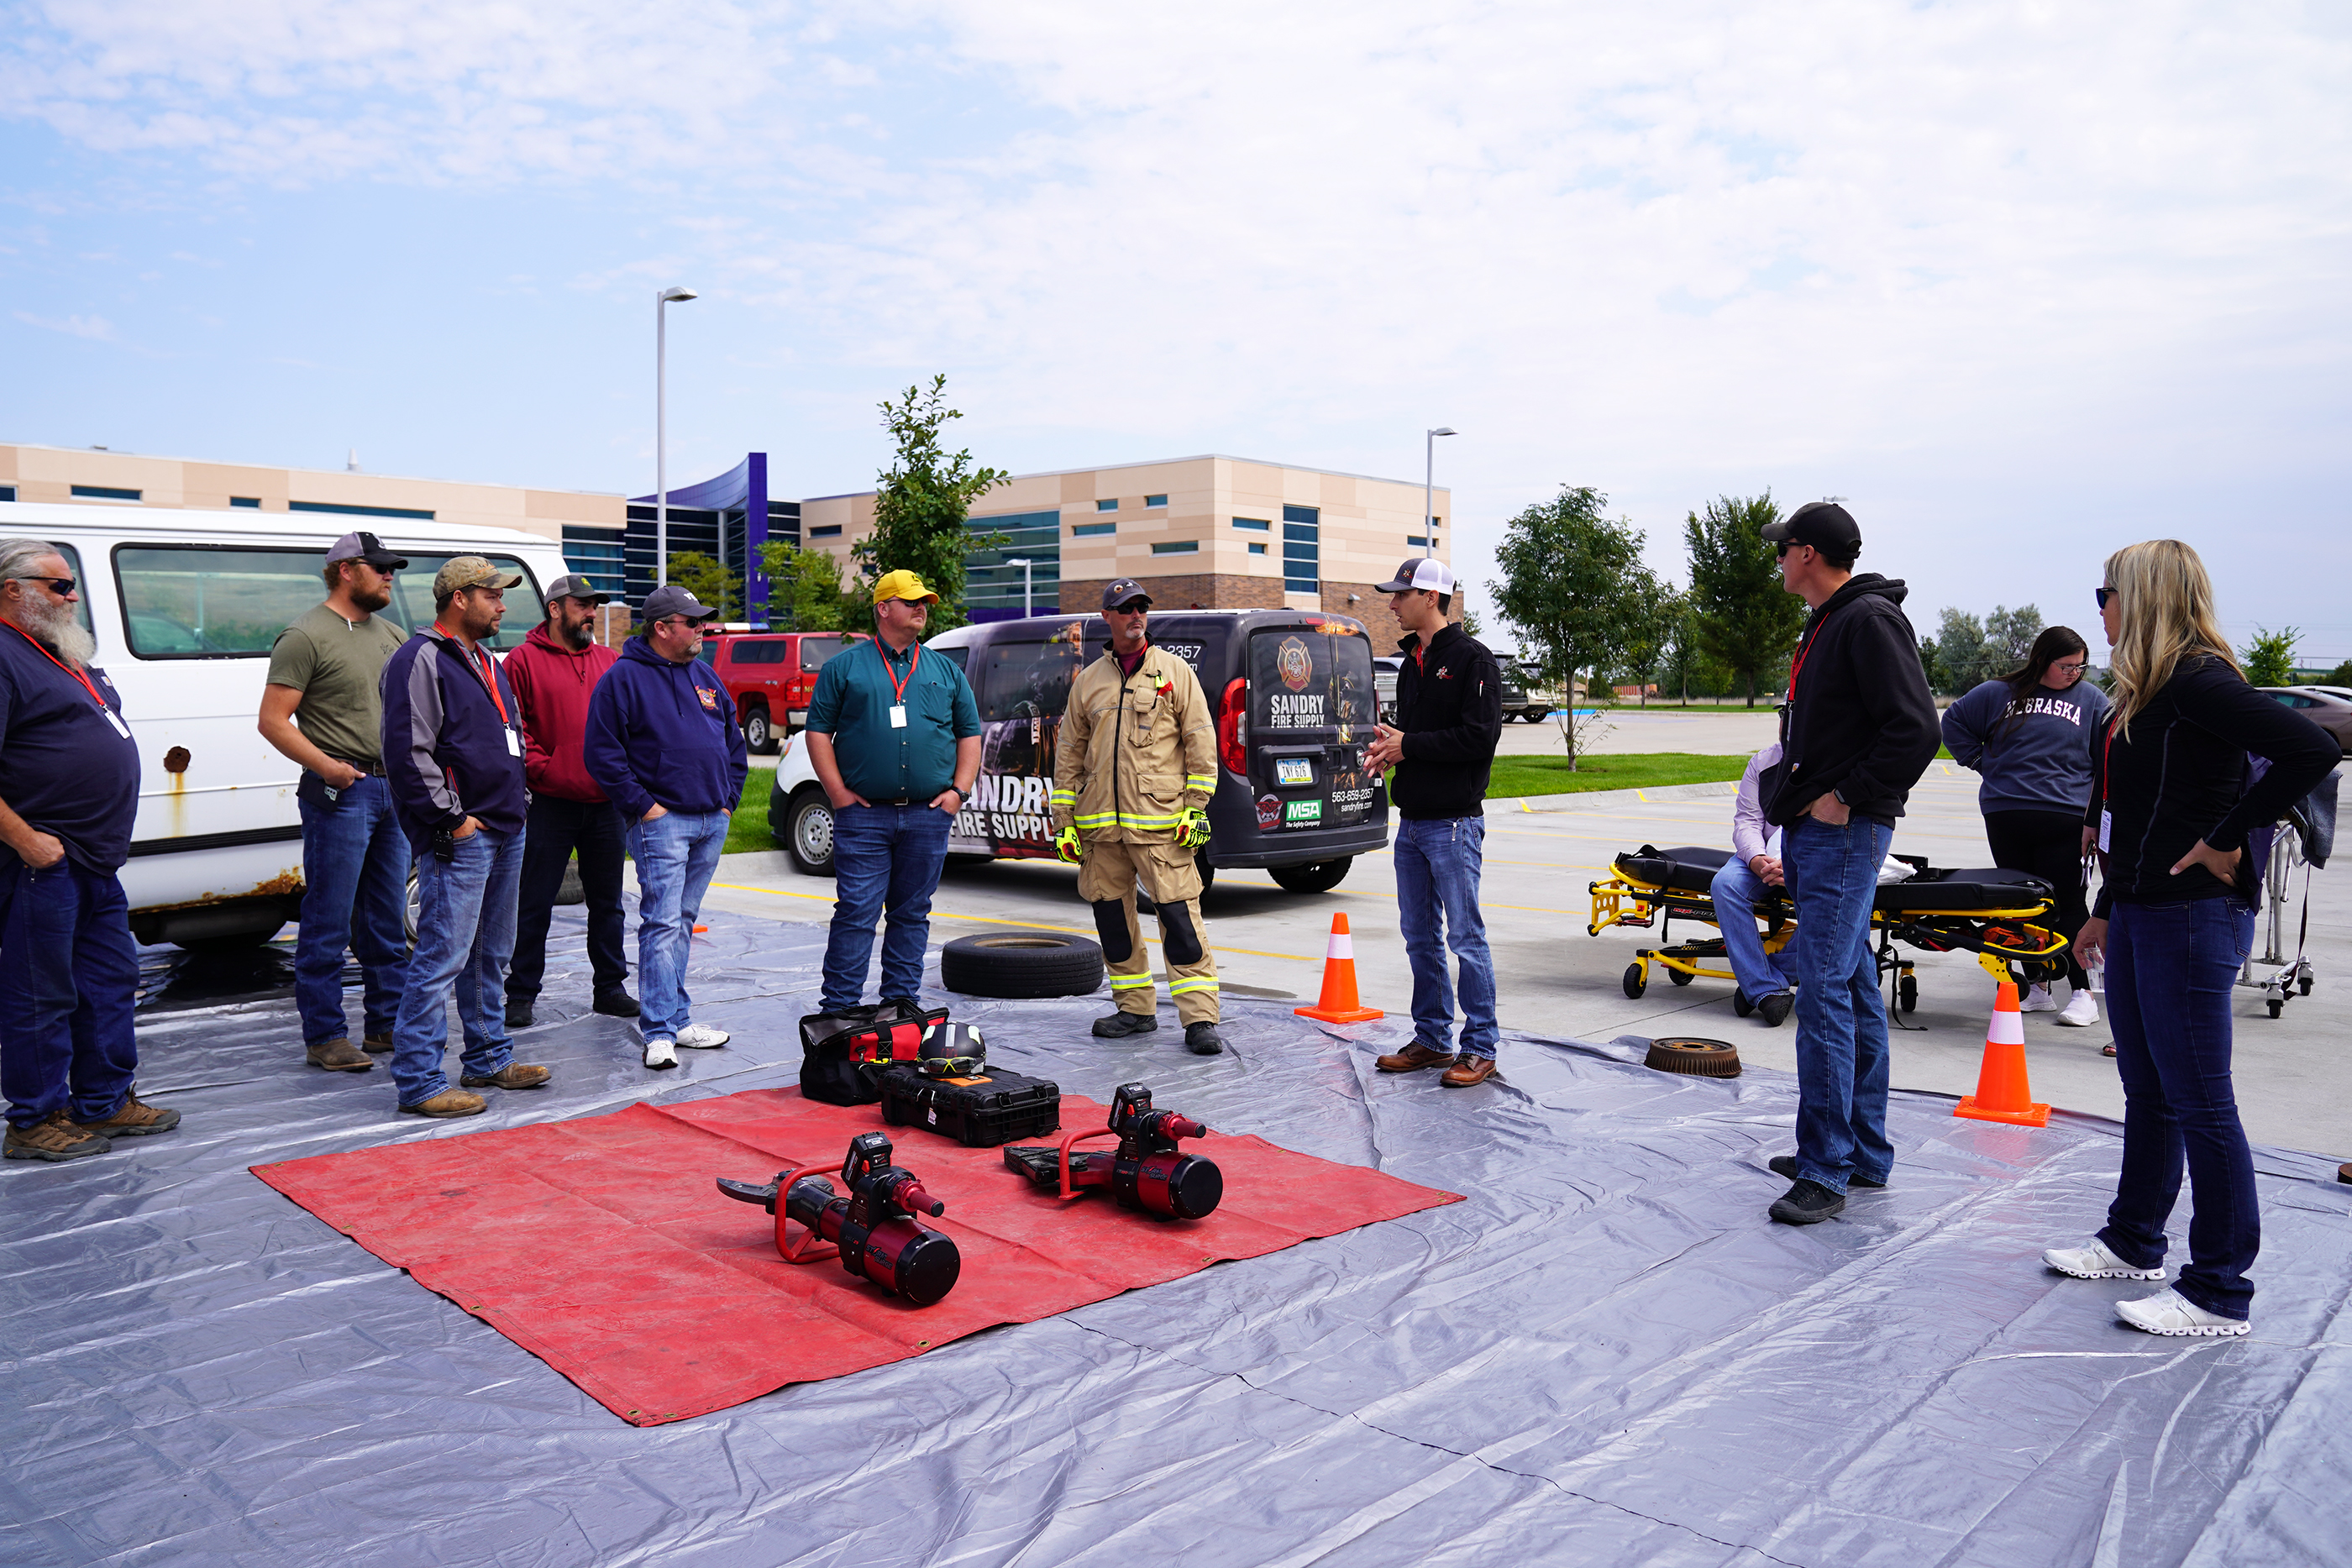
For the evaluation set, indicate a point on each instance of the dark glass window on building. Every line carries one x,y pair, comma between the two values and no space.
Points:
103,493
1106,506
7,492
1088,530
597,554
1177,546
252,501
1155,500
1253,525
996,590
1302,549
825,531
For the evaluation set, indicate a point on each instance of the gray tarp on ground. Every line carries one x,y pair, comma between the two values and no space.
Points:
1606,1356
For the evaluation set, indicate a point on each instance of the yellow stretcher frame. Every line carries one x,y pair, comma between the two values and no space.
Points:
1999,938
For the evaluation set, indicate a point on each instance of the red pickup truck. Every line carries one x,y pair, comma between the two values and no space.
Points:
771,675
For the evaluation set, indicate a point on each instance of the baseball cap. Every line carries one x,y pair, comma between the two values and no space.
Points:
902,584
1825,524
1119,591
670,599
471,572
574,586
1426,572
366,547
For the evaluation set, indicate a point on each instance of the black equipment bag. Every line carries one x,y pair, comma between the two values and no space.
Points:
842,1054
991,1107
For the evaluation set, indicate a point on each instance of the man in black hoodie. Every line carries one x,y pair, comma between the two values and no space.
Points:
1859,729
1449,706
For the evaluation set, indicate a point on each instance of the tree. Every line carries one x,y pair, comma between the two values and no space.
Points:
1747,623
1567,574
1927,666
2009,637
1960,652
809,581
1654,609
711,582
922,500
1684,662
2269,659
2341,676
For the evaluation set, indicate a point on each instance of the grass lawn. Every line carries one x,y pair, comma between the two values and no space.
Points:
1622,770
748,828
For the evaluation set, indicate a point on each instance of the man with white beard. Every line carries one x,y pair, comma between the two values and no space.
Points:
69,790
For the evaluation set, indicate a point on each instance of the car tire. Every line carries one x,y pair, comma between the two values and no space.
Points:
1022,964
759,735
808,831
244,940
1317,876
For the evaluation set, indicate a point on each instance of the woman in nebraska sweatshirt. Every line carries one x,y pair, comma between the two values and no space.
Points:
2030,734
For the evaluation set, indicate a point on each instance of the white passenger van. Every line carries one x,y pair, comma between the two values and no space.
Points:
184,606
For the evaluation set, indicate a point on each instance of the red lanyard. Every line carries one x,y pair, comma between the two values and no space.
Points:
1803,648
490,679
61,665
898,686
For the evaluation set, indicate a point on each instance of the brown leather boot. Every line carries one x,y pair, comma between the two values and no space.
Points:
338,1056
513,1075
1414,1058
448,1102
53,1139
1470,1070
134,1118
377,1044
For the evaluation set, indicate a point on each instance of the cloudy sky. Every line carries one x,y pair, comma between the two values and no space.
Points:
2022,282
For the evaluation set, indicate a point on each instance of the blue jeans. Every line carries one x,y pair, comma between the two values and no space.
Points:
465,934
68,986
1841,1055
1438,864
2170,967
1759,973
885,866
354,888
676,854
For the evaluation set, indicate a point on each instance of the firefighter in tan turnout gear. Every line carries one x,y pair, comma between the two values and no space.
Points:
1133,772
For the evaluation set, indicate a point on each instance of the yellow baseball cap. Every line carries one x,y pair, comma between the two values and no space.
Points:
903,584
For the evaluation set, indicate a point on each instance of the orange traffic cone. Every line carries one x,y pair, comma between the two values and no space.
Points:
2002,1092
1339,1004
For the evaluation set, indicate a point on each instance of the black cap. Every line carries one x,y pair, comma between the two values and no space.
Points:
1825,524
366,546
669,600
1120,591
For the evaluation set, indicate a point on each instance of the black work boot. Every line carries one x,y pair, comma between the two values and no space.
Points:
1774,1010
1120,1025
1202,1040
1807,1203
518,1012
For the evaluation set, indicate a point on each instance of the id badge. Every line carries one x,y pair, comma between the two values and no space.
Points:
899,716
115,719
514,743
2107,822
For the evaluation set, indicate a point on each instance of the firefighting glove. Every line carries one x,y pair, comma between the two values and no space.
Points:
1065,845
1192,828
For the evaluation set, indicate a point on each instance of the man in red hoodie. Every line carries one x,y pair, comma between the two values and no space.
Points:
552,674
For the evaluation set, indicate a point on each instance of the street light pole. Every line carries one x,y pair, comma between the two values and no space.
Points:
662,302
1025,566
1429,494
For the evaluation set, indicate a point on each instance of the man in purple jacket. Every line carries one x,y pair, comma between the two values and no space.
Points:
453,755
663,745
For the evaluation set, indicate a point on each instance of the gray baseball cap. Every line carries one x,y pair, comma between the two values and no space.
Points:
365,547
670,599
574,586
1121,590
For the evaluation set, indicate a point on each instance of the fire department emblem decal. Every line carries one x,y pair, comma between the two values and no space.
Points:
1293,664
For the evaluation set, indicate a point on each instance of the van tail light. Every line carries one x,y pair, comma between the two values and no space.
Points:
1232,745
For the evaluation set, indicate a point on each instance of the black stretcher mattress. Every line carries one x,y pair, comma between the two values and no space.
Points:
1690,869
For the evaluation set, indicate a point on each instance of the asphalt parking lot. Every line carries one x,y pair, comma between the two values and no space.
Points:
2294,1078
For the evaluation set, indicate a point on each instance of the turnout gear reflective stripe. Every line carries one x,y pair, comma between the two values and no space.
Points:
1205,781
1061,797
1135,751
1193,983
1107,881
1132,982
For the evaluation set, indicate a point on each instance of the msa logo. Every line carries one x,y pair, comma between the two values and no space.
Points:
1302,811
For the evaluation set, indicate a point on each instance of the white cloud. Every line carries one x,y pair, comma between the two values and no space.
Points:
98,328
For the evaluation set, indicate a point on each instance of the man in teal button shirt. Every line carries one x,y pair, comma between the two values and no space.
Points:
895,739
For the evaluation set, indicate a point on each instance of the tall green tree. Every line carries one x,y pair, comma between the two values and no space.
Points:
922,499
1567,573
2269,659
1746,621
1962,661
809,581
1654,609
2009,638
710,581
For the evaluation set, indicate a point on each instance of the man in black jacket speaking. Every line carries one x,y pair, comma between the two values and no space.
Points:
1449,710
1859,730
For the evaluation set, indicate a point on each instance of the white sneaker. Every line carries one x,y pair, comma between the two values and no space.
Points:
2037,999
2169,1313
702,1037
2082,1011
2095,1262
661,1053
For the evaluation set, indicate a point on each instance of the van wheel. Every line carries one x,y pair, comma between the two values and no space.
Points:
1321,877
757,735
231,942
412,907
808,831
1022,964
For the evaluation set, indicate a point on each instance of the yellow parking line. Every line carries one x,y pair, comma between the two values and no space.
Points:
1000,920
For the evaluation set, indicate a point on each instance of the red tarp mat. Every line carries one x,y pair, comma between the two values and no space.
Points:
602,1245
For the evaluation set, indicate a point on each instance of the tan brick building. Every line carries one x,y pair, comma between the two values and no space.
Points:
1211,532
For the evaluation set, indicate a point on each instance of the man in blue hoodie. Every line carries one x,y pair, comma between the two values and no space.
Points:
663,745
453,756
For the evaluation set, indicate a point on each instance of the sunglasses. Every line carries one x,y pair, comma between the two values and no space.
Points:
60,586
2102,595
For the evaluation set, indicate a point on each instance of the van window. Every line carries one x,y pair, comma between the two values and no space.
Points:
762,650
411,597
1030,680
816,650
73,568
1303,679
201,601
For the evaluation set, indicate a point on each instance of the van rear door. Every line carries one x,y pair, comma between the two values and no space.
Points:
1312,706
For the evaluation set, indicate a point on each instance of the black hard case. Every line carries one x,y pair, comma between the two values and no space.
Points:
832,1044
991,1107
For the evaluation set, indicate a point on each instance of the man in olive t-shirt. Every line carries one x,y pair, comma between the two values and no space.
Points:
322,708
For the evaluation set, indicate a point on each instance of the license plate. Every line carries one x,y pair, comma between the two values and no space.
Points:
1292,770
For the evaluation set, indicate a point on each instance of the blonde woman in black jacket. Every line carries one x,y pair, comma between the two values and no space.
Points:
2169,815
